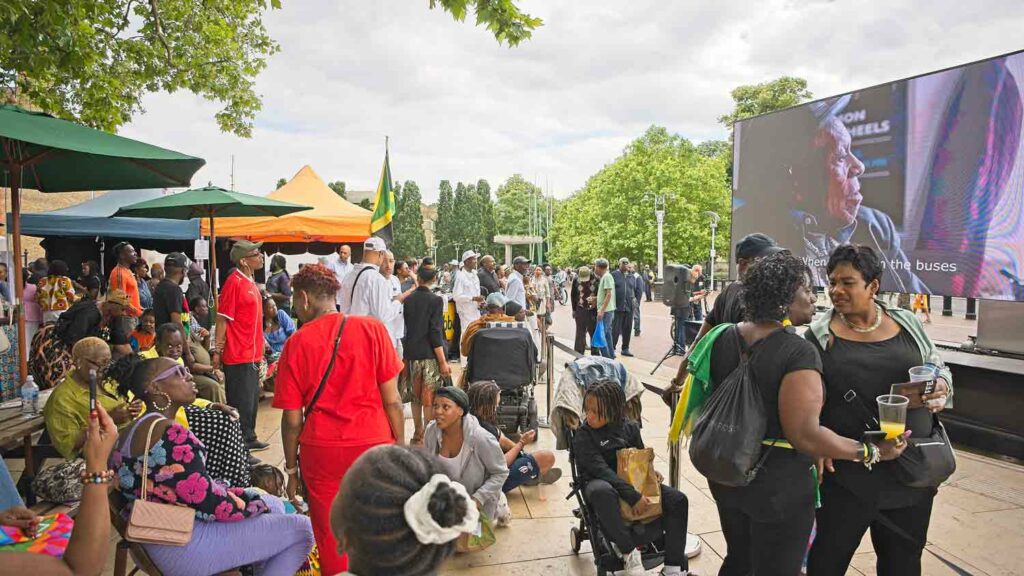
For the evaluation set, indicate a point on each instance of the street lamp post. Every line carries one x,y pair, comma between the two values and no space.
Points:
714,224
660,215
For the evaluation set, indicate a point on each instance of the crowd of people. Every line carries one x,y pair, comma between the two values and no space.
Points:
347,345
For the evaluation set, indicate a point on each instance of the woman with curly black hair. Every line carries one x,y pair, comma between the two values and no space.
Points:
767,523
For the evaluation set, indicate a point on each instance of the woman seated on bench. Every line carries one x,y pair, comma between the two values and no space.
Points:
596,444
523,468
237,526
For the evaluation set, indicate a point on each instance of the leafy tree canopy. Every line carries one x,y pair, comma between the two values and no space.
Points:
410,241
613,214
339,188
92,61
502,17
755,99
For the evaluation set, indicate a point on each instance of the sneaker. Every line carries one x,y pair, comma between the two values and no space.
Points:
256,446
692,545
634,564
549,477
626,353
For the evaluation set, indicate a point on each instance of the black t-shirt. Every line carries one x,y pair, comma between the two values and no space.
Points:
869,369
700,284
490,428
167,299
728,306
91,282
784,484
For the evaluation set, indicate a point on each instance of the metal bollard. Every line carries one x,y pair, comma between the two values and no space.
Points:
673,449
543,420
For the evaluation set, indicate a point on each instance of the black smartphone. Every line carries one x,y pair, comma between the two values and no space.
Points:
873,436
92,394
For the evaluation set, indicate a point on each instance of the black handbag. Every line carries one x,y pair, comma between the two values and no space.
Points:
928,461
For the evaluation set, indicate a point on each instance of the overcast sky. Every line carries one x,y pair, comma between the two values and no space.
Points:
458,106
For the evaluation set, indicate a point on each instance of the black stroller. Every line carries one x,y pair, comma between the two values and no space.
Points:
605,558
508,357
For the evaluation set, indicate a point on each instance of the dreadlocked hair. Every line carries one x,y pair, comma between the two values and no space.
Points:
368,514
483,397
132,374
611,401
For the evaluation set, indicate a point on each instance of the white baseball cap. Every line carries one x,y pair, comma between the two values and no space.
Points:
374,244
469,254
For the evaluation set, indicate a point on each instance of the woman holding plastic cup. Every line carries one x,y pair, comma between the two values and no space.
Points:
865,348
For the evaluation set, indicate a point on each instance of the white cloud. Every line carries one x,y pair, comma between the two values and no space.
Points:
458,106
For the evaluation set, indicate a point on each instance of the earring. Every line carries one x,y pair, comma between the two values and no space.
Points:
165,406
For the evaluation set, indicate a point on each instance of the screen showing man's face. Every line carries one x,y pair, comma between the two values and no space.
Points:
843,198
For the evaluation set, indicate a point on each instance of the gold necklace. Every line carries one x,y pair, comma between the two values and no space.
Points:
862,330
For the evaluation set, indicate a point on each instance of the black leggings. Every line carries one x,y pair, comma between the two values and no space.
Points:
844,517
604,501
774,548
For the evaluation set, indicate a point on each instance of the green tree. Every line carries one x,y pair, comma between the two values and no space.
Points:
445,227
366,203
408,222
93,60
517,201
339,188
502,17
715,149
754,99
613,214
485,205
281,182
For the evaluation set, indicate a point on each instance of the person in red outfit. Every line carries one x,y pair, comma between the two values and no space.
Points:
239,347
337,383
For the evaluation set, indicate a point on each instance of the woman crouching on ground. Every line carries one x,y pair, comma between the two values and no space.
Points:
524,468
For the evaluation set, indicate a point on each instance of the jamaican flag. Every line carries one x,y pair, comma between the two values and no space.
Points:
384,206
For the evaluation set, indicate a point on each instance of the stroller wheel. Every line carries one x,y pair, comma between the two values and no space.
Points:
575,540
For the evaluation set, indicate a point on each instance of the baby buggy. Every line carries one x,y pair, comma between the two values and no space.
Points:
605,558
508,357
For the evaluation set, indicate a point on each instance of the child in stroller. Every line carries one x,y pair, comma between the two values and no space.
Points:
594,454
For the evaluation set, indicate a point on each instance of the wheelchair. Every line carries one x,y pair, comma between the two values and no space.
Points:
605,558
507,356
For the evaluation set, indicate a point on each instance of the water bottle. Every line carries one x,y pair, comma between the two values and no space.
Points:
29,398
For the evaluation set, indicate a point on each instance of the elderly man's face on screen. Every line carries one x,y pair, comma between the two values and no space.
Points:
843,197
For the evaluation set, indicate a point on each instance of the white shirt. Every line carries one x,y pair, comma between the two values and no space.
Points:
371,297
467,287
514,290
340,269
397,327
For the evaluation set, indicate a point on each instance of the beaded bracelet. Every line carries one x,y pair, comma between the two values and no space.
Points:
874,457
104,477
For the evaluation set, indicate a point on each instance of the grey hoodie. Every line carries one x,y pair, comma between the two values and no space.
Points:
484,470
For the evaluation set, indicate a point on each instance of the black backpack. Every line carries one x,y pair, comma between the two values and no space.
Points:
726,443
67,318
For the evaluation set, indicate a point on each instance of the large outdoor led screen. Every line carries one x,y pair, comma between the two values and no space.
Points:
927,171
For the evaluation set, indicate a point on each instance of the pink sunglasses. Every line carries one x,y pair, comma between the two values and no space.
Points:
177,369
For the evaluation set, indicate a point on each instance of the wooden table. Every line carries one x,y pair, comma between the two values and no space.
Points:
15,428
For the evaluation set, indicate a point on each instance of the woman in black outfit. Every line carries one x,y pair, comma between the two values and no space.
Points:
866,347
767,523
596,444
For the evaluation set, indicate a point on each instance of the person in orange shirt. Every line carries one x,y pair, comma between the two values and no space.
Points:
123,278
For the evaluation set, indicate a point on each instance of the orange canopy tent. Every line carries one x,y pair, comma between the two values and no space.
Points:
332,220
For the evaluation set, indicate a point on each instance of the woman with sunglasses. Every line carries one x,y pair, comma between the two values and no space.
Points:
236,526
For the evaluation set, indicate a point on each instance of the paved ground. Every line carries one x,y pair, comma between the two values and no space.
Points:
977,524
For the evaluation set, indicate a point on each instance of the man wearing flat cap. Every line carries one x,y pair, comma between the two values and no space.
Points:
239,345
466,293
515,291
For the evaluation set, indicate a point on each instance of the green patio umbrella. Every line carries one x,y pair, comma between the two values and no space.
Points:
210,202
52,155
